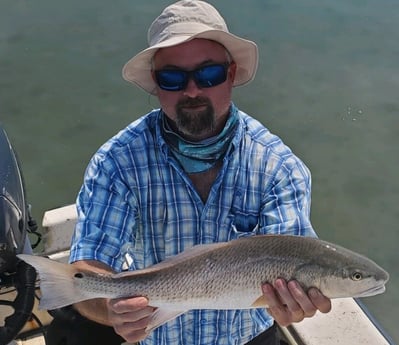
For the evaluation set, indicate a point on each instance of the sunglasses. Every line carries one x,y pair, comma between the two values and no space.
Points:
204,77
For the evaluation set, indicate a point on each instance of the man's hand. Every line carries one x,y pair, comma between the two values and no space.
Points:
130,317
288,303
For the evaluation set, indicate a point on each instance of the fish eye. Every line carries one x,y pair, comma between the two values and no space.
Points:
79,275
356,276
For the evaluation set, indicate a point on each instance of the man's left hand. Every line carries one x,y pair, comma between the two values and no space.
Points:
289,303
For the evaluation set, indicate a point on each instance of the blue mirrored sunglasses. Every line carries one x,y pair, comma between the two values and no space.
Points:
204,77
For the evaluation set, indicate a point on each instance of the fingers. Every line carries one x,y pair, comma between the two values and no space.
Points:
302,299
282,306
321,302
288,302
130,317
125,305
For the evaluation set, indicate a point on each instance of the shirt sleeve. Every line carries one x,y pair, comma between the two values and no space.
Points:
107,209
286,205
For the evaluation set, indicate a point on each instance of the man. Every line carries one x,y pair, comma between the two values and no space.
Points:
197,170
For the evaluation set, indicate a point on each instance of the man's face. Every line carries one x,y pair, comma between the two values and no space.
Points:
197,112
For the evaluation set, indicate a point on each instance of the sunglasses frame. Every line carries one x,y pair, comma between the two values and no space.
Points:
191,75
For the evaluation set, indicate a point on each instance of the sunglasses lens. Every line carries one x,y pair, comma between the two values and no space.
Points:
209,76
176,80
171,80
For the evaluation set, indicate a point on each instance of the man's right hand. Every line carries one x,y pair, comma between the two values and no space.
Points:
130,317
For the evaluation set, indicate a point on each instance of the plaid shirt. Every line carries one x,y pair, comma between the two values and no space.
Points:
137,207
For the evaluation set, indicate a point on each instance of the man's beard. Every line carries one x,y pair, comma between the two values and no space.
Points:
195,123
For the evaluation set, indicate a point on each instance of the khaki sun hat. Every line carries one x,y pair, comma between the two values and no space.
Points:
184,21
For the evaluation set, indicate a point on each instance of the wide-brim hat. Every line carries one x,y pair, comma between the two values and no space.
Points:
181,22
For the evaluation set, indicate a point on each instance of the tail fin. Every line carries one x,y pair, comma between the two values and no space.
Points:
56,282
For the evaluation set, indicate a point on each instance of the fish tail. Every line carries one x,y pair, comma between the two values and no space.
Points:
57,285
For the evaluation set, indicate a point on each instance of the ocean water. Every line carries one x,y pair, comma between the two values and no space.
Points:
327,83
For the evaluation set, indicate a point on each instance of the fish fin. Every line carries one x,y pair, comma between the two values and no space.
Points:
56,282
161,316
260,302
197,250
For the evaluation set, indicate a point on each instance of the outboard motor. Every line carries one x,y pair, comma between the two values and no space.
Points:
15,223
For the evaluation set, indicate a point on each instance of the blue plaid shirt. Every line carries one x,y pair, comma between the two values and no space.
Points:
137,207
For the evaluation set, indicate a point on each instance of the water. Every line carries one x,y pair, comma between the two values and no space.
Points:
327,83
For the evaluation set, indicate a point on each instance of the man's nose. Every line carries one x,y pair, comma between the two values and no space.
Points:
192,90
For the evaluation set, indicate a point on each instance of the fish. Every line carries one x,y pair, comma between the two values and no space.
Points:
224,275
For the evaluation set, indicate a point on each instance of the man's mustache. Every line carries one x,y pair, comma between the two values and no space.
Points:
192,102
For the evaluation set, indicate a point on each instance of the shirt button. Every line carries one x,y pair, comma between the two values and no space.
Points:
203,321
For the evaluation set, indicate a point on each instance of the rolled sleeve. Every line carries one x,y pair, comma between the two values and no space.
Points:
286,205
105,209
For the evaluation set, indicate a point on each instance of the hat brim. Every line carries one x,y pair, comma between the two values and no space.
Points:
244,53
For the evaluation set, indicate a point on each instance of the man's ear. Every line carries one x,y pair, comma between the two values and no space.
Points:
153,75
231,73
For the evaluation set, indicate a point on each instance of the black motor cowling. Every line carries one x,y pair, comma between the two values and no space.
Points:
13,209
14,226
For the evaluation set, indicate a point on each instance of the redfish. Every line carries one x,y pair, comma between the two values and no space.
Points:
224,275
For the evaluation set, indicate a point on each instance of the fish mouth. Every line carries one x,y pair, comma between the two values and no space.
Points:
375,290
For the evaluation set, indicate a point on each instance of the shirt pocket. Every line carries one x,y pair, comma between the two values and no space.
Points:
240,225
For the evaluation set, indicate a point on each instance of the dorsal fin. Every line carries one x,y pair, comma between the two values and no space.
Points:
190,253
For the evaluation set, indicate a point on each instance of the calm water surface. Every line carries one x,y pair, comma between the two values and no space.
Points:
327,84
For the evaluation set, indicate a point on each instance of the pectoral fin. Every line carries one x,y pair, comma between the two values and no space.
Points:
260,302
161,316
